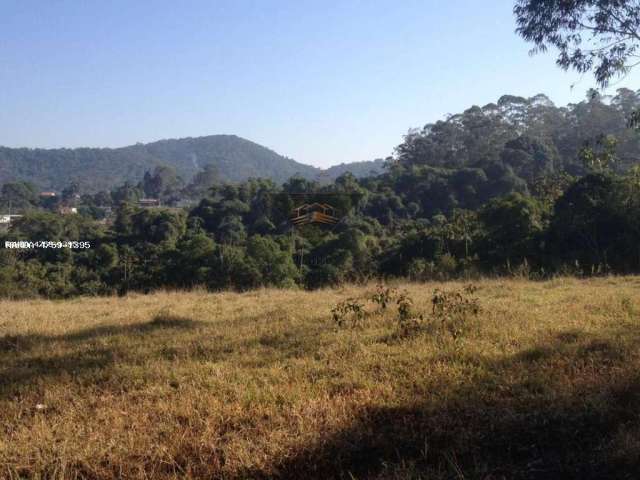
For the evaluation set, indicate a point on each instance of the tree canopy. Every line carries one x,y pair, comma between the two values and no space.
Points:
599,36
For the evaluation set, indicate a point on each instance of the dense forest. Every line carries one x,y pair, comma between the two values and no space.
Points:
519,186
233,158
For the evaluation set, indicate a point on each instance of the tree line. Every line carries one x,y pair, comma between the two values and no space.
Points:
516,187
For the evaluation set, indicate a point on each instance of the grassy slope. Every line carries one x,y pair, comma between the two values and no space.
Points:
544,384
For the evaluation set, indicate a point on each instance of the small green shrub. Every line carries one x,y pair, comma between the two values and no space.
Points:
349,312
408,318
383,296
450,308
405,306
454,307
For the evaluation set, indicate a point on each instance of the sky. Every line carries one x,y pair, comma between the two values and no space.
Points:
323,82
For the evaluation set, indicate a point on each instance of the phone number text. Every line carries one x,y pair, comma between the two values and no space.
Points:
27,245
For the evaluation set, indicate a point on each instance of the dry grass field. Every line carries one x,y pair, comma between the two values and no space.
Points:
544,383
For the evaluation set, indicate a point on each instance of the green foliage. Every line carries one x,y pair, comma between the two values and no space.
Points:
18,197
203,182
446,265
599,156
352,311
495,189
349,312
384,295
163,183
594,224
589,35
452,308
547,189
201,162
512,225
126,193
420,269
273,264
408,319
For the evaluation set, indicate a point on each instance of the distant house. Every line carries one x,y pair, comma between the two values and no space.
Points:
314,213
48,194
67,210
149,202
6,219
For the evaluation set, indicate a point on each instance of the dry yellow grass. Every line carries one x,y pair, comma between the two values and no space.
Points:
543,384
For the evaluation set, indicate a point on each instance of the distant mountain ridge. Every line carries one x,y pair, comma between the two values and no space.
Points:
235,159
359,169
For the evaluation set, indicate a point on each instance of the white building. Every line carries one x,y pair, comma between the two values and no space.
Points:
6,219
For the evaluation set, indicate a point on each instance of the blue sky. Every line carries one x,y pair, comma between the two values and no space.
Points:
323,82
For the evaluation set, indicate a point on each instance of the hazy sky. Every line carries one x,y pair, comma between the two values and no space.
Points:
323,82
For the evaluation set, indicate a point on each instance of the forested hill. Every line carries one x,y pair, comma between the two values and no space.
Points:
460,161
358,169
519,185
506,146
235,159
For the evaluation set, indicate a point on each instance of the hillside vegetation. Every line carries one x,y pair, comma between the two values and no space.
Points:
517,185
234,159
543,383
457,162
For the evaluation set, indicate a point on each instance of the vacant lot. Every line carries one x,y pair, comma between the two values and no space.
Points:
544,383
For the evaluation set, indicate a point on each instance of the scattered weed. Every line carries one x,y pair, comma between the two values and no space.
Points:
453,308
408,319
383,296
349,312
